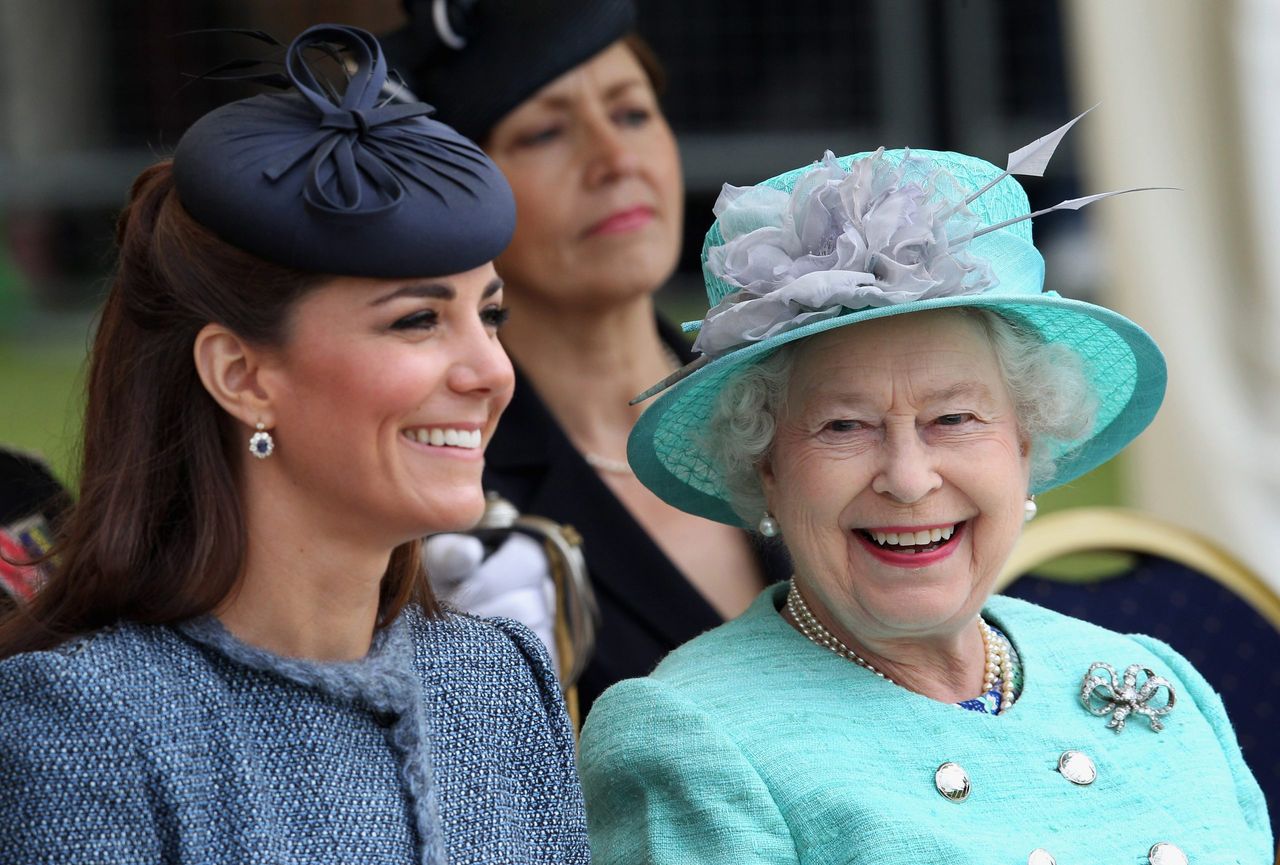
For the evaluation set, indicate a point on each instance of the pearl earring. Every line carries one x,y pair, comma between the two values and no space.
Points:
261,444
1029,509
768,526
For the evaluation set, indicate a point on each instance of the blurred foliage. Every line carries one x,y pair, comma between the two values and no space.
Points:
41,399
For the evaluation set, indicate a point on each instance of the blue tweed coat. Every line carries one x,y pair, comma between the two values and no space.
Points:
141,744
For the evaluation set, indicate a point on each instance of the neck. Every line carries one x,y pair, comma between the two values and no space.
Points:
948,666
309,590
587,365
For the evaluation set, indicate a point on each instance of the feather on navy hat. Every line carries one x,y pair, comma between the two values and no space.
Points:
476,60
343,184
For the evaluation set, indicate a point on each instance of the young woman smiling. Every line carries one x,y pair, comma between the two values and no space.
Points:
295,374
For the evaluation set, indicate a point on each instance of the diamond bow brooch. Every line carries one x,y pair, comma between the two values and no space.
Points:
1103,695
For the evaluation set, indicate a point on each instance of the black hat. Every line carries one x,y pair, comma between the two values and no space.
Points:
476,60
343,183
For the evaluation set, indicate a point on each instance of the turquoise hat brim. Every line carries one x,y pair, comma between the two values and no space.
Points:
1123,364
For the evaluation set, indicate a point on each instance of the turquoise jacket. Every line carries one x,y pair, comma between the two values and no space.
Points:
750,744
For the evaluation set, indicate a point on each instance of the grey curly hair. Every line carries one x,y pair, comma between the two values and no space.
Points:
1047,381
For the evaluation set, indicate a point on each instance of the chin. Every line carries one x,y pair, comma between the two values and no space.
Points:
642,268
460,515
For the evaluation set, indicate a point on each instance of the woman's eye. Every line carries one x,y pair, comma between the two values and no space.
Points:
633,117
539,137
844,425
495,316
424,319
954,419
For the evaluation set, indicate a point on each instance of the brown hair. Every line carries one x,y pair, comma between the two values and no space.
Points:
649,62
158,533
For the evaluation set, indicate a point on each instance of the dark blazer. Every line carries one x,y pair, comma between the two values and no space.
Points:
27,487
647,607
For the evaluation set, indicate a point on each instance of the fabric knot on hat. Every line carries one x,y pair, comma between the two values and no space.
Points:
875,234
354,120
339,179
380,143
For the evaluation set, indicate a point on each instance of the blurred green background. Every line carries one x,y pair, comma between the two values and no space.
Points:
41,396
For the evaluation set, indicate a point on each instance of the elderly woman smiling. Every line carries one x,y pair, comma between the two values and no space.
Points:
886,387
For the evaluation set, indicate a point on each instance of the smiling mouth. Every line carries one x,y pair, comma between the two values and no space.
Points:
444,437
913,542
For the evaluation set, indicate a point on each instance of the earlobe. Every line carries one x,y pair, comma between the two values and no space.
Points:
764,471
228,368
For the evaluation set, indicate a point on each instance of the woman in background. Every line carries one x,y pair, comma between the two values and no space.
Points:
564,98
238,658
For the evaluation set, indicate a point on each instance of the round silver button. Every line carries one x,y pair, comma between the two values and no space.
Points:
1077,768
1164,853
952,781
1040,856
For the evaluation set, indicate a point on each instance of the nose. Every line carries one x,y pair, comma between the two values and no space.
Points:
481,367
608,154
907,471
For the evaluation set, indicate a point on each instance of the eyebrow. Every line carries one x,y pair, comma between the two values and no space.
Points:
961,389
557,101
859,402
436,290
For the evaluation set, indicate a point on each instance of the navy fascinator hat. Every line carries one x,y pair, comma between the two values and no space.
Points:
345,183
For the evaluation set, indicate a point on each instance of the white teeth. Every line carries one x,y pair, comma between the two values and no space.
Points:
920,538
445,437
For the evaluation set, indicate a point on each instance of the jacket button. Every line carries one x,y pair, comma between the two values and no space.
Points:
952,781
1077,768
1164,853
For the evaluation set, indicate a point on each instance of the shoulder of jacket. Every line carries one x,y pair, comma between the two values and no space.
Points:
95,682
460,639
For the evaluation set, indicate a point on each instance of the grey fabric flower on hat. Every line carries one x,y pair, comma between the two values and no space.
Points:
874,235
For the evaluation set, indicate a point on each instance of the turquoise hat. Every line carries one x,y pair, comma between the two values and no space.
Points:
869,236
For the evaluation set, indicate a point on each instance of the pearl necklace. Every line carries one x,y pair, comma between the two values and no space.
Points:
998,668
818,633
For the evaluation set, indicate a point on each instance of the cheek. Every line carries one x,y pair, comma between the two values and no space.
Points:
666,168
541,202
538,231
807,481
369,384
